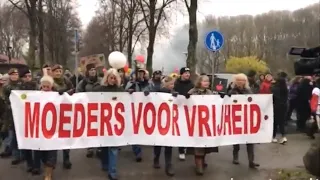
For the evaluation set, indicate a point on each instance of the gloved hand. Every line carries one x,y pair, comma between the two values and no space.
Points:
187,96
114,98
60,92
175,94
130,91
221,94
71,92
146,93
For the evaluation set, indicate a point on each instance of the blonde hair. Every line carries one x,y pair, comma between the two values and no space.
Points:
166,80
240,76
47,79
111,72
197,83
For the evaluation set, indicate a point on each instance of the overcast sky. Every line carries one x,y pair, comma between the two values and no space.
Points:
87,8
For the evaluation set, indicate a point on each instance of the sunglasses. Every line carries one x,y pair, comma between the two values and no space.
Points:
27,76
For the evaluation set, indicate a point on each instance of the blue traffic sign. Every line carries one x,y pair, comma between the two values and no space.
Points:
214,41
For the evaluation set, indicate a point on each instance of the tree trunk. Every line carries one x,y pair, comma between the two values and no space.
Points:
130,34
193,37
41,35
32,34
152,35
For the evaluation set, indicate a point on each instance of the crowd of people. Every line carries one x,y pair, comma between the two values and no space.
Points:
54,78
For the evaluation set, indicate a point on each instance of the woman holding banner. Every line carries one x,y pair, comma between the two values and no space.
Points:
49,158
167,87
201,87
111,82
240,85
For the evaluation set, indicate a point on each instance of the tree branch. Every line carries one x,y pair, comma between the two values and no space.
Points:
144,14
18,7
137,39
187,4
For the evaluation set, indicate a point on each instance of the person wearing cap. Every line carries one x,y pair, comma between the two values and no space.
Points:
124,79
80,75
140,84
252,81
62,85
8,126
87,84
155,82
28,84
183,85
46,70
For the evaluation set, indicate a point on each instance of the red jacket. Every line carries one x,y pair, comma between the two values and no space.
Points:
265,87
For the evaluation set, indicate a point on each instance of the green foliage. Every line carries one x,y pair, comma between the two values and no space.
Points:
294,174
244,64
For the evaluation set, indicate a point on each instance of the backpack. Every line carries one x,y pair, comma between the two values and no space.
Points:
311,159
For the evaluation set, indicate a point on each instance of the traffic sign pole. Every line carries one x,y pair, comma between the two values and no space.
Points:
214,41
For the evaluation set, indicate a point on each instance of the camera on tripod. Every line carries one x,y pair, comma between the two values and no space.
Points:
309,63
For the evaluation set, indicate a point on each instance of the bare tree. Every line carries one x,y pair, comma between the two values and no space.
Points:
193,34
61,21
29,8
13,30
40,17
153,12
118,25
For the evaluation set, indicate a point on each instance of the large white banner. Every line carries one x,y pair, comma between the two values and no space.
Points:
48,121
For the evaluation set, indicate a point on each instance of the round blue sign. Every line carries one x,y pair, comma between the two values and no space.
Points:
214,41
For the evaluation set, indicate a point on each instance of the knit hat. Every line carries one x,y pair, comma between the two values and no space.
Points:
251,73
183,70
158,72
141,70
45,66
57,66
90,66
12,71
23,72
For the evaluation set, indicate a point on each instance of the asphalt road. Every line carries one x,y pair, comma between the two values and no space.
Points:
270,157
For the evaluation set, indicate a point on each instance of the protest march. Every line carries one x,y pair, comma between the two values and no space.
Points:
103,114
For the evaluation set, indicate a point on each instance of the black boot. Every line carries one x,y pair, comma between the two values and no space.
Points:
6,153
156,163
253,165
250,152
235,158
16,161
90,153
67,165
29,169
36,172
169,170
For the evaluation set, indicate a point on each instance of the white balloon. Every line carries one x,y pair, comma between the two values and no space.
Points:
117,60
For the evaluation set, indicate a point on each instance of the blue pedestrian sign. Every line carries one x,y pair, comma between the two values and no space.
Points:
214,41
